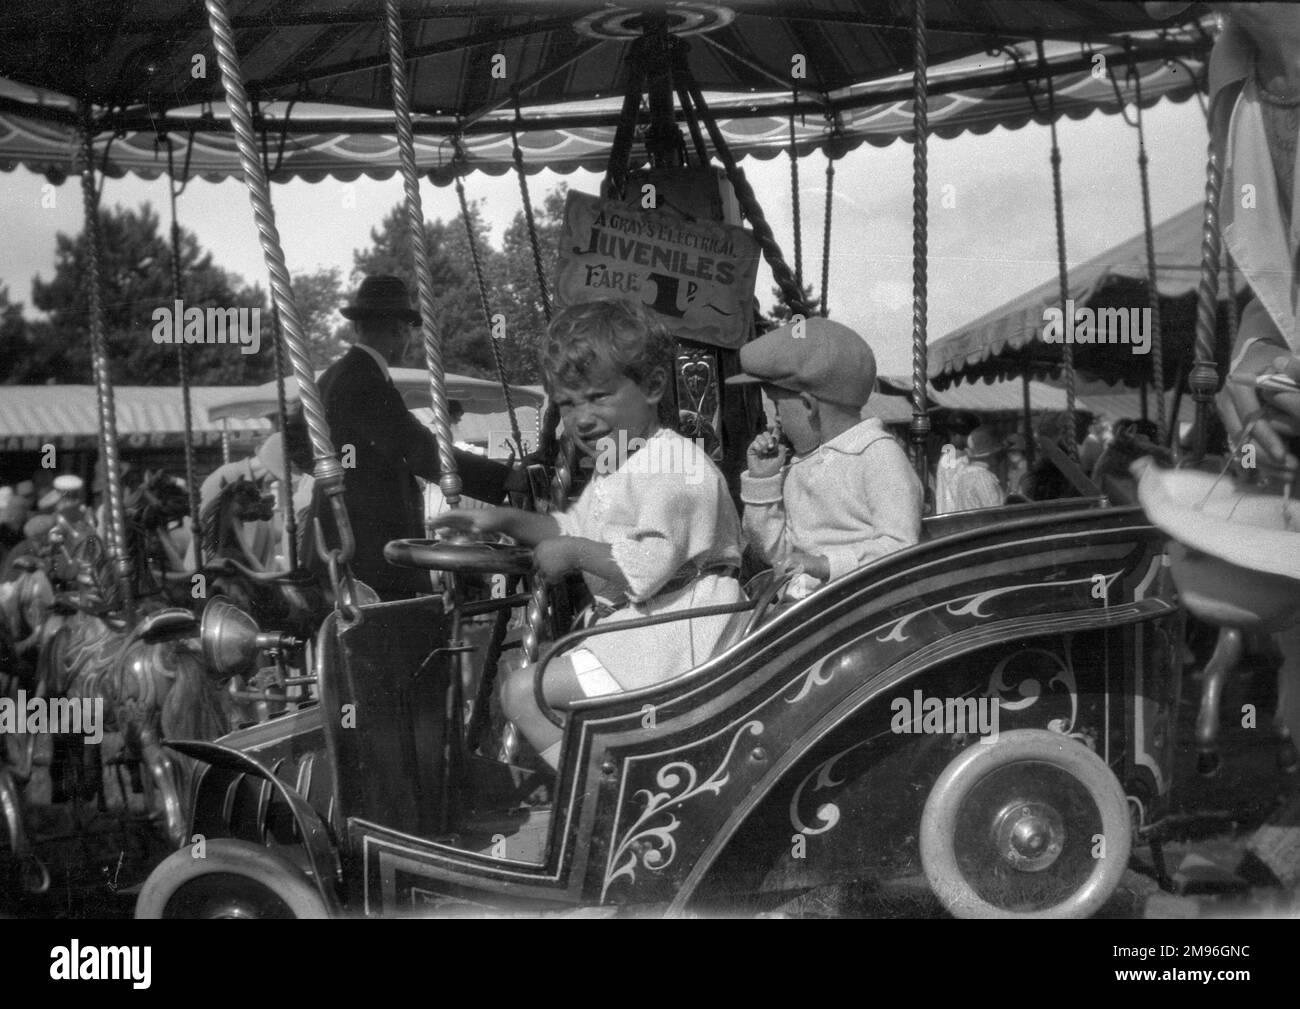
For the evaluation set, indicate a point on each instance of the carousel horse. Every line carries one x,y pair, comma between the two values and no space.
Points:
153,508
286,600
147,672
26,618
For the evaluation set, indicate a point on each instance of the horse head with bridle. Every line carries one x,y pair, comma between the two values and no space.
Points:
287,600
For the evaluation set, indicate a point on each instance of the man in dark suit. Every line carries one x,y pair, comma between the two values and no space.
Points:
389,447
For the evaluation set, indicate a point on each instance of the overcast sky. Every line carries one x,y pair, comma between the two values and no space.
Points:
995,241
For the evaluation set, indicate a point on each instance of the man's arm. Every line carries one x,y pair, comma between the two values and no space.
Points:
481,478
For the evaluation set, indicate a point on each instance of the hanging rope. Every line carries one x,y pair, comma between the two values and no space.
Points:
497,359
1062,272
183,356
753,211
826,234
794,203
692,123
116,519
1153,293
920,426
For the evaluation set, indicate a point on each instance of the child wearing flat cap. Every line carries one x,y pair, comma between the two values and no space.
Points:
848,495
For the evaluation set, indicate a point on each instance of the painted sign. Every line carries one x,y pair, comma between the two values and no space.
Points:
697,276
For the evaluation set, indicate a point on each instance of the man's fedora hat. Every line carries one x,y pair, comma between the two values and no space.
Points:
382,296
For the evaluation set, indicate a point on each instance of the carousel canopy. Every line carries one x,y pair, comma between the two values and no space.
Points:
318,73
1000,397
477,395
893,404
1008,341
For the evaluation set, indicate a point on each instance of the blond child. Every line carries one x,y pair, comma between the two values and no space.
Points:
654,532
848,495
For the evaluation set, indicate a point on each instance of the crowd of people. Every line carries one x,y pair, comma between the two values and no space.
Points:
979,468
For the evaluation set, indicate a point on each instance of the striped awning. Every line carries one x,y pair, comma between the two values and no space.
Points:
1006,341
67,416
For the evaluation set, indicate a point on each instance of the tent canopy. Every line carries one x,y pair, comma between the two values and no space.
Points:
317,75
1007,341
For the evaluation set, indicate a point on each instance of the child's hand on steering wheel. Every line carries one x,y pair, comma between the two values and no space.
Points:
471,520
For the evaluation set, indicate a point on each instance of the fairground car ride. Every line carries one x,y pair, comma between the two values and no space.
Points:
976,724
774,776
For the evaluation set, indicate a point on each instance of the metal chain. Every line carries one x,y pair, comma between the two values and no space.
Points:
497,359
533,241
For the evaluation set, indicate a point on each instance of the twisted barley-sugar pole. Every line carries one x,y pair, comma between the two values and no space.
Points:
183,366
826,234
449,481
920,426
328,471
116,523
796,215
1062,270
286,474
1204,377
1153,292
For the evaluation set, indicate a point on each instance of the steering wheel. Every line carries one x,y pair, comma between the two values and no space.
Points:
462,558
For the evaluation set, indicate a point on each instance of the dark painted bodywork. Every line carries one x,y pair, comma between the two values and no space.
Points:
690,792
